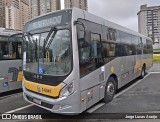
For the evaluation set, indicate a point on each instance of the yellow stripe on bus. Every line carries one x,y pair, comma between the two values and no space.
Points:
139,64
52,91
19,79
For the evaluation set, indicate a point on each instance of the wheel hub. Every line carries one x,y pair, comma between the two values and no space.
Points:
110,89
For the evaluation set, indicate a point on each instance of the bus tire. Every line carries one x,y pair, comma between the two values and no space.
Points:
110,90
143,72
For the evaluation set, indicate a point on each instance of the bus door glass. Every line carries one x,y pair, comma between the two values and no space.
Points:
3,65
15,66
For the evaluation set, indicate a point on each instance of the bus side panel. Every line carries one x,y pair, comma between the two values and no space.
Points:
11,69
138,65
92,96
123,71
130,64
95,85
4,76
90,87
83,100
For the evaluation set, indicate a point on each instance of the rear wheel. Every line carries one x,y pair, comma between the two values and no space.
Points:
110,90
143,72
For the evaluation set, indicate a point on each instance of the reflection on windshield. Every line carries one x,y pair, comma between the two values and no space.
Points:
48,55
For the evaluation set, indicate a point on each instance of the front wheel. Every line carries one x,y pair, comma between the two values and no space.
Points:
110,90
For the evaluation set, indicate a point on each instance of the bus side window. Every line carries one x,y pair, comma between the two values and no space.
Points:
96,45
112,35
84,49
97,50
112,50
133,49
15,49
4,52
139,46
106,48
123,50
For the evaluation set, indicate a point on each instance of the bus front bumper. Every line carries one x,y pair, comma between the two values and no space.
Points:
64,105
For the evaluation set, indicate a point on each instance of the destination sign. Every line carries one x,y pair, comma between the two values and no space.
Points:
49,20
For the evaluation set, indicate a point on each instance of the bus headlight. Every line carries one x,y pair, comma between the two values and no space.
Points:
67,90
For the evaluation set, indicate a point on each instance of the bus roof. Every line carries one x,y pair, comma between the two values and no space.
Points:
102,21
94,18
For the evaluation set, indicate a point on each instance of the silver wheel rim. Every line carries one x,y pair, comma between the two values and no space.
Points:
110,89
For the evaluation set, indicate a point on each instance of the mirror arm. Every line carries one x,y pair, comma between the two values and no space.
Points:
80,23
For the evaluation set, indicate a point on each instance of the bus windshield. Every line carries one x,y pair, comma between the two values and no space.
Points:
10,47
48,53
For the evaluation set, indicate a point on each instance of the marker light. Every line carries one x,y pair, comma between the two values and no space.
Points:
67,90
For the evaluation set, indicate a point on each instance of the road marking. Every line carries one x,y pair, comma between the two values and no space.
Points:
12,111
154,72
91,110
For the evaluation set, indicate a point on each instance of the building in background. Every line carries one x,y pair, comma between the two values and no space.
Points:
82,4
12,10
17,13
149,22
35,8
40,7
25,13
2,13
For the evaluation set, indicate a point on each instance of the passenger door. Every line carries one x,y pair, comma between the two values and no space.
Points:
4,85
15,66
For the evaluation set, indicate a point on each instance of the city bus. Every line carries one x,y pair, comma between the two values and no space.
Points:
10,60
72,59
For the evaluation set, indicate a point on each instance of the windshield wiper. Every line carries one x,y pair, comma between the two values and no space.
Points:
45,44
48,36
50,41
36,50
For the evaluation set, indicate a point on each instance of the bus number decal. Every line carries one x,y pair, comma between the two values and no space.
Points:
15,73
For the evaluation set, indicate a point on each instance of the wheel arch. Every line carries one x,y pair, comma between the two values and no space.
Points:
116,79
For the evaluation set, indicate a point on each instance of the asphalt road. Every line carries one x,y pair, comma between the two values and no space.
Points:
144,97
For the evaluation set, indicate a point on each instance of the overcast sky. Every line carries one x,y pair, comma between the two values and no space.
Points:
123,12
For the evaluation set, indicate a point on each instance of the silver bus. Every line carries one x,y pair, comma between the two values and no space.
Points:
72,59
10,60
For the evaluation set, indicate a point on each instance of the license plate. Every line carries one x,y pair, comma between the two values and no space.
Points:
37,101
